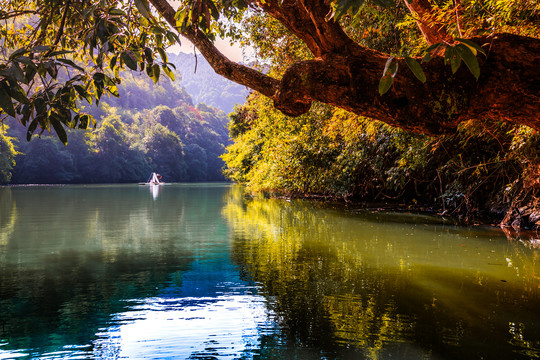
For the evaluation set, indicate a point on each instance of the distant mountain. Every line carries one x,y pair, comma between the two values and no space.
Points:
204,85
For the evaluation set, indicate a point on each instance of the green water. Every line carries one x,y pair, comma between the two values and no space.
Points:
200,272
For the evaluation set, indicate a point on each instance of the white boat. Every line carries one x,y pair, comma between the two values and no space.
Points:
155,179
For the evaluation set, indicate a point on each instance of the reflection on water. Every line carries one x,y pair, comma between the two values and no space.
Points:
155,190
379,289
199,272
187,327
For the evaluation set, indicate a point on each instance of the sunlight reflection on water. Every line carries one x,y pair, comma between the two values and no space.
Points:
224,327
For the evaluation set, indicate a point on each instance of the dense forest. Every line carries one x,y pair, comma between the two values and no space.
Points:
149,128
485,170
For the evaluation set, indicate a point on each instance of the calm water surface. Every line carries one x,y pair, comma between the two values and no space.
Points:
200,272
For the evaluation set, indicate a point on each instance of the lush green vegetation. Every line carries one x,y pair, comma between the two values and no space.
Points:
484,169
7,155
330,153
150,127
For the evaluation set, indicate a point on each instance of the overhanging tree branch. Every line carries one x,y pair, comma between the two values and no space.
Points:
346,75
231,70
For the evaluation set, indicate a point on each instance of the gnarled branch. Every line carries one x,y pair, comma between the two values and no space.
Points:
346,75
231,70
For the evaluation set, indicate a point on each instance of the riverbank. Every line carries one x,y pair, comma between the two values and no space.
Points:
487,172
520,224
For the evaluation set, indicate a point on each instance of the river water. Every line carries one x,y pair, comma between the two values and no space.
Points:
200,272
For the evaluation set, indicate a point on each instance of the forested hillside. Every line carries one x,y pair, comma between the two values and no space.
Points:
204,85
149,128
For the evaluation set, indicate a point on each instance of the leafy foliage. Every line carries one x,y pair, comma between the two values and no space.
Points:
331,153
7,155
335,154
59,53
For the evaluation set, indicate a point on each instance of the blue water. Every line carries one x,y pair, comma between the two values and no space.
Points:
200,272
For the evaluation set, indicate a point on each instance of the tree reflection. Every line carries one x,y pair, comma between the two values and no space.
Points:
346,285
8,215
68,258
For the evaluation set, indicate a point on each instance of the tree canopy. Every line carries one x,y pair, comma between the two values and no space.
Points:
57,53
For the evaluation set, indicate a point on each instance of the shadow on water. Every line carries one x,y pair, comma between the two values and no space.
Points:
353,287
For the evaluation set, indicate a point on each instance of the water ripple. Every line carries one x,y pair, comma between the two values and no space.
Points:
222,327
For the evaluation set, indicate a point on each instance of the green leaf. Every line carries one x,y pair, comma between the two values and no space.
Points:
5,100
433,47
391,67
129,59
40,48
144,8
163,55
113,61
469,59
99,77
26,112
181,17
18,93
114,91
18,53
83,121
148,56
70,63
385,84
342,6
59,130
213,9
32,127
25,60
390,71
15,73
452,56
155,72
173,37
61,52
117,12
416,69
83,93
109,81
51,69
168,72
472,45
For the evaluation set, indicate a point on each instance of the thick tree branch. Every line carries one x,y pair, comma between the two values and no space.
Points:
238,73
508,88
347,76
306,19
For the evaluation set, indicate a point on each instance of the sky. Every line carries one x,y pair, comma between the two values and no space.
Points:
234,52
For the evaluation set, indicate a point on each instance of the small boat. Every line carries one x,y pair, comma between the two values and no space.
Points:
154,179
